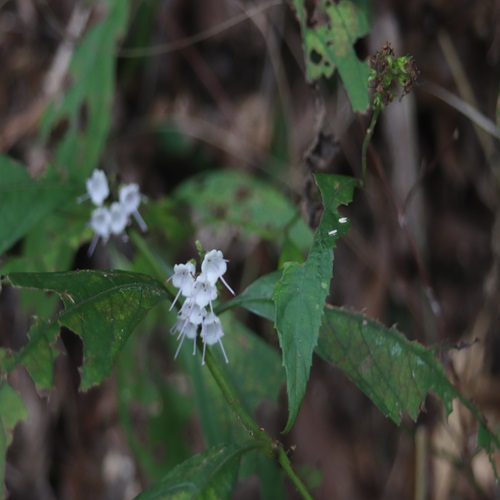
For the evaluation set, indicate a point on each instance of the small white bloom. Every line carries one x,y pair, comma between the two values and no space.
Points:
100,222
183,279
185,329
343,220
97,187
212,332
118,218
214,266
193,312
130,197
203,291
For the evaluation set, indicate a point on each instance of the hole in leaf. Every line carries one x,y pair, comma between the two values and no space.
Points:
315,56
361,48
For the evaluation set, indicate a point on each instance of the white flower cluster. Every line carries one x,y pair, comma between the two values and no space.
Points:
105,220
199,291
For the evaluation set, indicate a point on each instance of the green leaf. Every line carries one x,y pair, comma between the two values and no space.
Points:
256,298
208,475
39,353
328,39
300,294
12,410
92,70
393,372
24,201
103,307
252,206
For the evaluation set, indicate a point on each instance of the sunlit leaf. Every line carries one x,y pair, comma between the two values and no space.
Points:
329,31
300,294
103,307
208,475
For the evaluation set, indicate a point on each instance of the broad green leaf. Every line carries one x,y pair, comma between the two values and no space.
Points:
329,34
12,410
24,201
209,475
92,70
252,206
103,307
393,372
300,294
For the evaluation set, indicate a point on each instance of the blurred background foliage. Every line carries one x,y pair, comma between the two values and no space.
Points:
207,106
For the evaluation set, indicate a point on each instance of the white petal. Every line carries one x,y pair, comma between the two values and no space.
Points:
213,265
100,221
97,187
119,218
130,197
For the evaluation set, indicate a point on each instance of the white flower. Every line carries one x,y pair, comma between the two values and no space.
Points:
100,222
203,291
211,332
199,291
193,312
183,279
185,329
97,187
214,266
118,218
130,198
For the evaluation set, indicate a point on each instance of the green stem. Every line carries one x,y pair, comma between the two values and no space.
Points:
241,414
366,142
249,424
284,461
251,427
141,245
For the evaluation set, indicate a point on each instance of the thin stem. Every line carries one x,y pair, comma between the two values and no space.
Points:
151,259
253,429
366,142
230,396
284,461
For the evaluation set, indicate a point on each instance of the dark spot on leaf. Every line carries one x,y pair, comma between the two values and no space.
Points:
219,211
242,193
315,56
83,117
73,345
